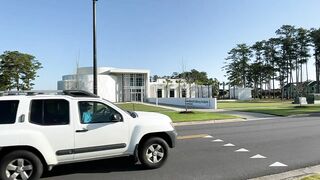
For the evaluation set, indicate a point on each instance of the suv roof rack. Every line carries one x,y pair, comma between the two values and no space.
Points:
78,93
73,93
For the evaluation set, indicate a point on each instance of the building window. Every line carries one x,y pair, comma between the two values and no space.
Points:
131,79
139,80
172,93
136,80
159,93
184,94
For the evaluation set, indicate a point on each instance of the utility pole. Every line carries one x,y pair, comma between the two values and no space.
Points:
95,88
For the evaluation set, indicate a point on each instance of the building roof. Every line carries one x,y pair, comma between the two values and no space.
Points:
111,70
127,71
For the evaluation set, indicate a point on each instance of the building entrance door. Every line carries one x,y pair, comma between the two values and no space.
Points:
136,95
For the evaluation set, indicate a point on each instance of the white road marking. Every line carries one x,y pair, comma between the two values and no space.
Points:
242,150
258,156
228,145
217,140
278,164
208,136
192,136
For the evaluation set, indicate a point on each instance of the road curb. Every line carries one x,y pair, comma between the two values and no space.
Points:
292,175
207,122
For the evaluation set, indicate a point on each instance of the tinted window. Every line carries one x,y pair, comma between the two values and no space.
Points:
95,112
50,112
8,111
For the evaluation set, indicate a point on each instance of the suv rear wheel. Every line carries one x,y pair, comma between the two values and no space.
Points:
153,153
20,165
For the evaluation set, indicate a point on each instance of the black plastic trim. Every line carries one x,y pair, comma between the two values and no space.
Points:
79,93
90,149
173,137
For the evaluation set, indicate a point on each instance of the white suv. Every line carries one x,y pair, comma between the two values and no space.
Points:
40,131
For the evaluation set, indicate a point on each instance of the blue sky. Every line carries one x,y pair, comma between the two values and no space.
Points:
146,34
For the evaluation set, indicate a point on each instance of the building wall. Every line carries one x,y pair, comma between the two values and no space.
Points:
240,93
192,90
111,85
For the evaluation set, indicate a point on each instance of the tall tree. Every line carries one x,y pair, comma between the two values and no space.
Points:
254,74
18,70
238,64
271,54
315,39
258,49
286,35
303,43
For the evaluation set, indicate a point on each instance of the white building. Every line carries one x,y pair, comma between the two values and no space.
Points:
122,85
178,88
116,85
240,93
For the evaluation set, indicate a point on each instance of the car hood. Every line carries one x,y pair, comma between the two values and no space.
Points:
152,116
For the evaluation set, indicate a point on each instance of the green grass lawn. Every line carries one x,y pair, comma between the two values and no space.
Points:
312,177
197,116
141,107
285,108
252,104
174,115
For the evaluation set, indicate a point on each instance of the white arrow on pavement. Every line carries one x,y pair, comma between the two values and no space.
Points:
228,145
242,150
278,164
217,140
258,156
208,136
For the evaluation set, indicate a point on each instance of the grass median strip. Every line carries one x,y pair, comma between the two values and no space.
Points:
141,107
312,177
197,116
279,108
175,115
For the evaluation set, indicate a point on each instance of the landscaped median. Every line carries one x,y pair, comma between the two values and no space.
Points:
312,177
273,107
175,115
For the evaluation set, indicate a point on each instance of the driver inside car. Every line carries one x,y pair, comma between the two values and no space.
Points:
86,113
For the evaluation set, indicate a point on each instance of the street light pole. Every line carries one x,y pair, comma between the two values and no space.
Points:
95,91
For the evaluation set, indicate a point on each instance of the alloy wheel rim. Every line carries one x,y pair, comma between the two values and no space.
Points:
19,169
155,153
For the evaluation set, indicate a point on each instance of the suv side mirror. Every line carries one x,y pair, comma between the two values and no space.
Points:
116,118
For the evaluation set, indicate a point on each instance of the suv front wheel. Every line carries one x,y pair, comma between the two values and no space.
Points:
20,165
153,153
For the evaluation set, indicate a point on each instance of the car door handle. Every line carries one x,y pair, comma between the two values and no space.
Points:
81,130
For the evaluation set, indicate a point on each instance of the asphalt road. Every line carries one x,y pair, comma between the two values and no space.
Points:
293,142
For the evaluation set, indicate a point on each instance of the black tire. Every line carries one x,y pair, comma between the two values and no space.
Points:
27,158
158,158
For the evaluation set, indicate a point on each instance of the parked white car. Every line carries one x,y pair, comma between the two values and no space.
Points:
40,131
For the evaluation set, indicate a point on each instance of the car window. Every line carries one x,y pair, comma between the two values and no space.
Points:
8,111
50,112
95,112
